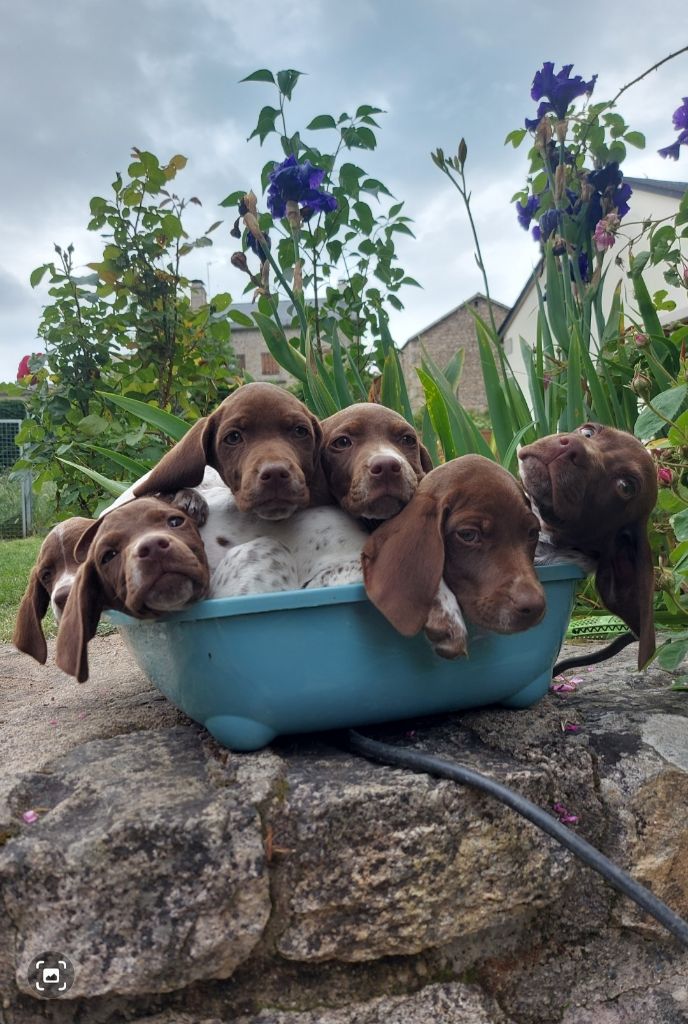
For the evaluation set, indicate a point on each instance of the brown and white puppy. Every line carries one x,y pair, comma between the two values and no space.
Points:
264,443
372,460
145,559
593,490
468,525
49,584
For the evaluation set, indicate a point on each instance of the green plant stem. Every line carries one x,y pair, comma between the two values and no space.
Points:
654,67
461,188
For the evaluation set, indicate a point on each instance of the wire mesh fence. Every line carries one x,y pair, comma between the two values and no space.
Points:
15,488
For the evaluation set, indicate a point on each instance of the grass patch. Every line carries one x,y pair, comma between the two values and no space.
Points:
16,561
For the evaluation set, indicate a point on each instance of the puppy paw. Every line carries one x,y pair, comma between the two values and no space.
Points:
189,501
445,627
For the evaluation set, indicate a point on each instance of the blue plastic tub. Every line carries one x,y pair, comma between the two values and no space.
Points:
252,668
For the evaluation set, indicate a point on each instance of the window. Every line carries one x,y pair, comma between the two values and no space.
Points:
268,365
240,360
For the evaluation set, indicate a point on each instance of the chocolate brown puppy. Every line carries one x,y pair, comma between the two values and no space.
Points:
593,490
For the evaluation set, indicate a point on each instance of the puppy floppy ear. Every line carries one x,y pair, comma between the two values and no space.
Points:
28,633
403,562
79,622
625,582
184,465
425,458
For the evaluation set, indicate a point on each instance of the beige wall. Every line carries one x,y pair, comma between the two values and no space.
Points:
442,340
251,345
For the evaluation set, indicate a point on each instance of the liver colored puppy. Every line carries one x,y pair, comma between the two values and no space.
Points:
469,525
144,559
372,460
593,490
263,442
49,584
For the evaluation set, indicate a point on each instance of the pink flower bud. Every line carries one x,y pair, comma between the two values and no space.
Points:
664,476
641,340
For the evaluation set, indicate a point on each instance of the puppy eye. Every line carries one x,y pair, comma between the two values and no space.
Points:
176,521
46,576
108,556
342,442
626,488
409,440
301,431
533,533
468,536
233,437
587,430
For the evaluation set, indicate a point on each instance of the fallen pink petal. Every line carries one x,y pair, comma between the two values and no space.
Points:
564,815
29,817
571,727
567,687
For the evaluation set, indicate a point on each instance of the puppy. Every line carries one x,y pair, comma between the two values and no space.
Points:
465,541
49,584
372,460
265,445
593,490
144,559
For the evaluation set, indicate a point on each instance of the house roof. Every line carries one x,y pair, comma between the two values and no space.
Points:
466,302
660,188
248,308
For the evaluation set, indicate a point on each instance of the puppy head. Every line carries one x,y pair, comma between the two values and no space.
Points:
594,490
469,523
373,460
49,584
264,443
145,559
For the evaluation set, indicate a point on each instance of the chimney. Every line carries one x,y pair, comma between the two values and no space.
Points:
198,294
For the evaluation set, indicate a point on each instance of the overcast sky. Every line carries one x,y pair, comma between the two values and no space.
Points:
83,81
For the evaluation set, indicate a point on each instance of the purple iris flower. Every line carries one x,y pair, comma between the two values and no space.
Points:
254,245
549,222
557,91
680,122
609,185
300,183
526,211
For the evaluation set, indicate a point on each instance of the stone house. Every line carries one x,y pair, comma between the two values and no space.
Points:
441,339
250,351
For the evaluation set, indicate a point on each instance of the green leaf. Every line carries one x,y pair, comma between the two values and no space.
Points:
516,137
437,411
240,318
263,75
286,80
679,524
636,139
671,654
321,121
171,226
165,422
669,403
233,198
365,217
92,425
266,123
279,347
341,384
500,418
37,275
133,467
114,487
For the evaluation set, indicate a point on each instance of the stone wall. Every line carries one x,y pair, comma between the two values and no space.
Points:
442,340
303,885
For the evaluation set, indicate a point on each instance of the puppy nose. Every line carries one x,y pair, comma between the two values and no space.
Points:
530,605
570,448
274,471
151,546
384,465
60,598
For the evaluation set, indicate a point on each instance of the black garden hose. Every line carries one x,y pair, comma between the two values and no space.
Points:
593,659
618,879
